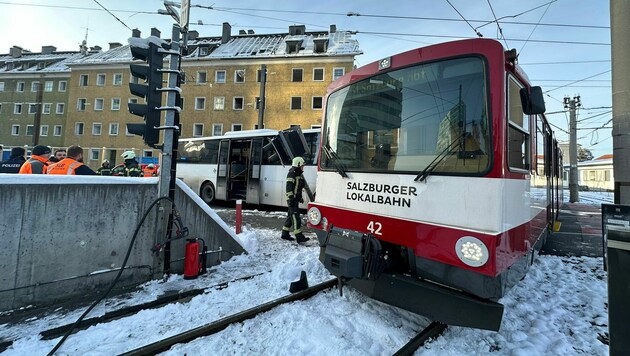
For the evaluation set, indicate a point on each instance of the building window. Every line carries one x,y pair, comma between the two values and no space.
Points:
202,78
17,108
83,80
32,108
200,103
97,128
115,104
318,102
62,85
118,78
78,128
219,76
43,130
57,130
147,153
296,103
15,130
60,108
81,104
34,87
19,87
100,80
94,154
203,51
133,100
297,74
1,86
338,73
29,130
47,108
239,76
113,129
98,104
318,74
219,103
217,129
237,127
197,130
239,103
48,86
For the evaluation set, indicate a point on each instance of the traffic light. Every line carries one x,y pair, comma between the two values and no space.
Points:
151,91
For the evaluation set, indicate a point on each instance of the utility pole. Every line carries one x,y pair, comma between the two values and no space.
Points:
620,64
261,100
572,104
38,114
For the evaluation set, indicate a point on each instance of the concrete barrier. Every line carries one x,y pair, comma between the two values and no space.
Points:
65,237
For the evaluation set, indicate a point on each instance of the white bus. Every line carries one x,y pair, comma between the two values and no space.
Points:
235,166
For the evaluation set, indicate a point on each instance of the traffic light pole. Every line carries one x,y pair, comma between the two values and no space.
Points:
166,186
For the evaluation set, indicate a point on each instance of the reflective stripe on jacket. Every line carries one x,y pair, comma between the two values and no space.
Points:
35,165
65,166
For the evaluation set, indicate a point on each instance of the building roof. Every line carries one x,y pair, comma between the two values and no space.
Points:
29,62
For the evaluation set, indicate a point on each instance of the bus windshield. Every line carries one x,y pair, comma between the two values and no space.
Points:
406,120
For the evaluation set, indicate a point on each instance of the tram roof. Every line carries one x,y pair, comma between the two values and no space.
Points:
244,134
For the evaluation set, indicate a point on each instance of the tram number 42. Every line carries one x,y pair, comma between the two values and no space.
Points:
375,227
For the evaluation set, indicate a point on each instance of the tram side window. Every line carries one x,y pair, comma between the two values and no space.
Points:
518,129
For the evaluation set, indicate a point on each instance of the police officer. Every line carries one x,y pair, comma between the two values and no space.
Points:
15,161
129,168
295,184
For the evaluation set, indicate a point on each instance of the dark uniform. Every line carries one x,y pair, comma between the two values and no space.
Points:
15,161
295,184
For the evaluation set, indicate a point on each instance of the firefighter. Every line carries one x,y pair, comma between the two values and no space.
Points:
38,163
105,169
149,170
295,184
129,168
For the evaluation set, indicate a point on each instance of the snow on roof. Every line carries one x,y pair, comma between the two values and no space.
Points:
32,62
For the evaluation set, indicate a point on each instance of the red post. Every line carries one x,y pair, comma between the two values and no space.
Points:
239,215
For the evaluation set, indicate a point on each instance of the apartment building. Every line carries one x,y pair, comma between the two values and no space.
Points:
221,90
34,93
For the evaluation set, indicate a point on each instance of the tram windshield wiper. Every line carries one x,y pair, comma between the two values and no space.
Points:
334,160
450,150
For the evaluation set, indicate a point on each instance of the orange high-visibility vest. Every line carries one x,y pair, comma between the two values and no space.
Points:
149,172
40,163
65,166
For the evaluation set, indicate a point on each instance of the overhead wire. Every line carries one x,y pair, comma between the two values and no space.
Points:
535,27
109,12
577,81
462,16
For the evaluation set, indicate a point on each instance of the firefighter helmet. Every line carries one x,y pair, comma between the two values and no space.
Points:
128,155
298,162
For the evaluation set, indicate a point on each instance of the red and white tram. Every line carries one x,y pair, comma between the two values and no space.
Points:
437,181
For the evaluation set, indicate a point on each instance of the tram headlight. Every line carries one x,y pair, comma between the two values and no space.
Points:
314,216
471,251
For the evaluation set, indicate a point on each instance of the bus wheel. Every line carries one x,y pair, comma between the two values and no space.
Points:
207,192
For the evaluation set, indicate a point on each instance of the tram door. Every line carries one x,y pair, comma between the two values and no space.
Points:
255,159
222,175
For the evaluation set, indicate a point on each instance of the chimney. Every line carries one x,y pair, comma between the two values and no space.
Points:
192,35
135,33
15,52
48,49
227,33
155,32
113,45
296,30
95,49
333,29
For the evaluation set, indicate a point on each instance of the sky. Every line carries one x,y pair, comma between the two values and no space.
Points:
579,67
559,308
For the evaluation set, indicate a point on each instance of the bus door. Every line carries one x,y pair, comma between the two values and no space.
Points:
222,175
255,159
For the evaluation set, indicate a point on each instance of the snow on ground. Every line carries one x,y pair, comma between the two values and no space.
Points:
559,308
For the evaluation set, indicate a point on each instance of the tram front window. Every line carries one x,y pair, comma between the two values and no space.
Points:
403,120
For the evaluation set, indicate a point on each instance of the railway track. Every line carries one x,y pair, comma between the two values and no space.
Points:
432,331
216,326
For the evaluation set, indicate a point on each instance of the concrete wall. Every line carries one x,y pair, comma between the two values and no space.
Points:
65,237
